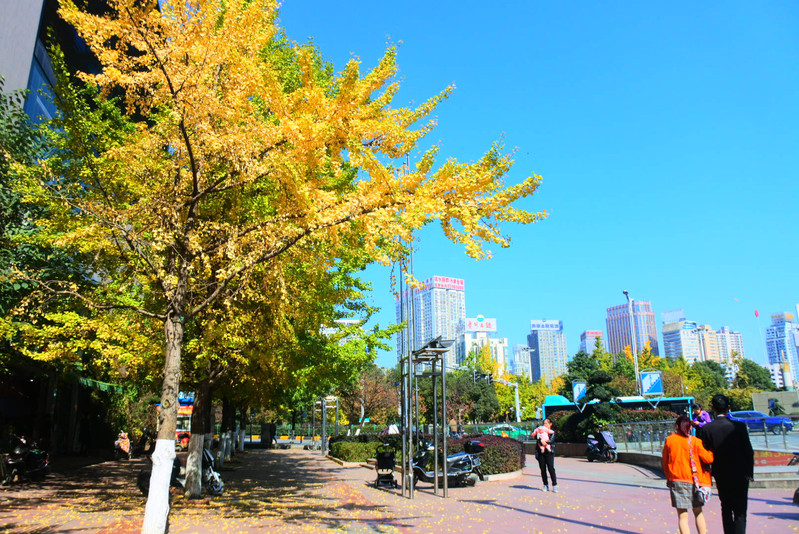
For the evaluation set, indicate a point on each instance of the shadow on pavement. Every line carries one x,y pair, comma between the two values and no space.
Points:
604,528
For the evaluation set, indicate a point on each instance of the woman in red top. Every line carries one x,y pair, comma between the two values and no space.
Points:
677,452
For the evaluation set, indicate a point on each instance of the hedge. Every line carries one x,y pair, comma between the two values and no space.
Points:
353,451
501,455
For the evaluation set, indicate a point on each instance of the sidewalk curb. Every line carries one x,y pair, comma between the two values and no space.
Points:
503,476
342,463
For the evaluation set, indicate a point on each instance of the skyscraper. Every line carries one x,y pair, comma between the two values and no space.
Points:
731,344
520,365
680,339
24,60
588,340
782,343
618,323
699,342
548,354
438,308
476,340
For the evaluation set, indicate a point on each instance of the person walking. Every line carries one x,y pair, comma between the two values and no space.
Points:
733,466
683,459
545,455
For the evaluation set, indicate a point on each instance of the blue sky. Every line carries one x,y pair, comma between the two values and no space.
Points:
665,132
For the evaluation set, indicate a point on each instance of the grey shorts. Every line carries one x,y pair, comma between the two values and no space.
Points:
682,495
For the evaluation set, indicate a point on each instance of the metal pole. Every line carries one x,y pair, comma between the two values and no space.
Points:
337,429
435,428
446,423
323,444
403,386
634,342
518,412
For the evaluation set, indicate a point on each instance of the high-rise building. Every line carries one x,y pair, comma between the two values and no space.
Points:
782,343
708,344
698,342
476,341
520,364
548,354
437,308
618,324
24,61
680,339
731,344
588,340
781,375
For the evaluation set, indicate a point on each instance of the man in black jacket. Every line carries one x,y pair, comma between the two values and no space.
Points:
733,464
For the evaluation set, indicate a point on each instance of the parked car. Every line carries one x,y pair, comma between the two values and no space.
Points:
508,431
756,421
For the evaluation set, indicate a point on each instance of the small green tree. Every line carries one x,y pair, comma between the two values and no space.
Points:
752,375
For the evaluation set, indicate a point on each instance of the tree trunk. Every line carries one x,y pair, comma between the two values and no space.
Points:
228,425
199,424
242,429
156,513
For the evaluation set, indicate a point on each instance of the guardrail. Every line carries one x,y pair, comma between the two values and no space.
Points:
649,436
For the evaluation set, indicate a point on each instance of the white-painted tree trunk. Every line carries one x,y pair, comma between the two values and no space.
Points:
228,445
222,453
156,513
242,433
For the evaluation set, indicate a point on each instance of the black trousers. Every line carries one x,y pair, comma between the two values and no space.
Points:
733,495
546,461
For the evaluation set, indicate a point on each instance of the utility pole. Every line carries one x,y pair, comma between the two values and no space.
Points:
634,341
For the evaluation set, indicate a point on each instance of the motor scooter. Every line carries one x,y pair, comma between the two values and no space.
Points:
463,468
25,462
122,447
602,448
140,448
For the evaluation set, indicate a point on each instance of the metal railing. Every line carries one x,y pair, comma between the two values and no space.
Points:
649,436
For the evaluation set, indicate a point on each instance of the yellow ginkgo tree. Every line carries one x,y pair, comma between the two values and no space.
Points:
210,149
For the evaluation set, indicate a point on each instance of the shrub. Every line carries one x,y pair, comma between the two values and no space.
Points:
395,440
353,451
502,455
568,425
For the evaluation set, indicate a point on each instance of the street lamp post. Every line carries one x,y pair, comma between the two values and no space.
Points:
634,342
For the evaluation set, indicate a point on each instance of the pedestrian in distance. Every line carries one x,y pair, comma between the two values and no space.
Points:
545,455
733,466
684,460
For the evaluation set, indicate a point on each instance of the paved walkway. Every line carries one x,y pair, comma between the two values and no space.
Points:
293,491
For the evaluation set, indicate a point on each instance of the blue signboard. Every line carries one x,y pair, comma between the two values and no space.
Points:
651,383
578,389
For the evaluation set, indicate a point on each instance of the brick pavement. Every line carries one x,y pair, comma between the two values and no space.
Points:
294,491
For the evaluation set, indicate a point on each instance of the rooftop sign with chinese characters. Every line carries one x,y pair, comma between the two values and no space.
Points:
543,324
481,324
445,282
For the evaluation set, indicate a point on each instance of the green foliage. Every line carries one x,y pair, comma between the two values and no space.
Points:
581,367
752,375
741,398
353,451
501,455
569,426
